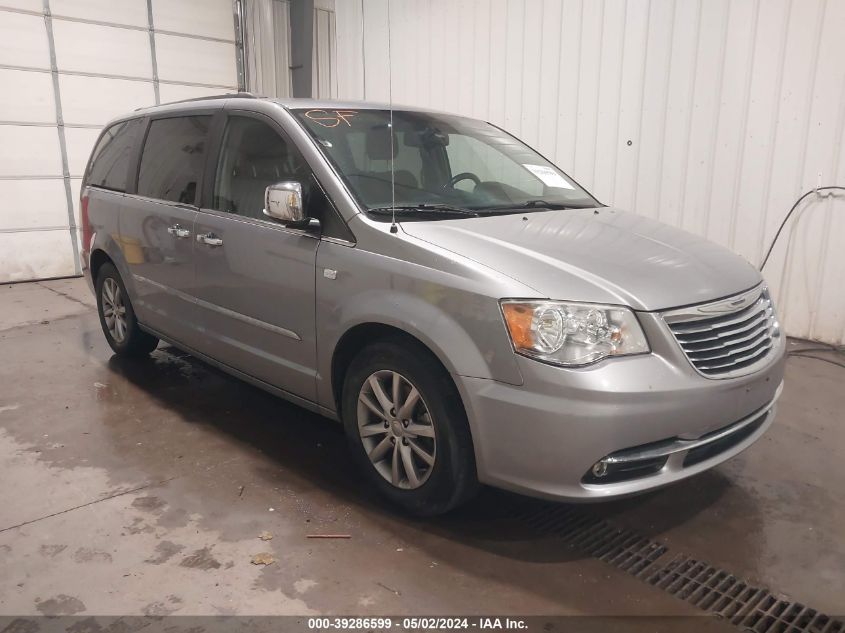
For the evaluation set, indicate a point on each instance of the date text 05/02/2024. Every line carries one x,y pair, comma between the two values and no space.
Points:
417,623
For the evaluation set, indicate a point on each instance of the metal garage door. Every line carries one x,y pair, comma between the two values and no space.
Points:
66,67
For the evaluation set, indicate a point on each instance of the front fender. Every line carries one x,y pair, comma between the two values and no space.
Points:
454,314
426,321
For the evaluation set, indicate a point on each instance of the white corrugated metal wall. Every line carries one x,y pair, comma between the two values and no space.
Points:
267,47
67,67
324,57
713,115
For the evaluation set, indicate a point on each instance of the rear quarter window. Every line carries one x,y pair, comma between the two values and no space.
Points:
174,157
112,155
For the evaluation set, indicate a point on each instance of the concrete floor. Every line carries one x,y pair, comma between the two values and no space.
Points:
142,487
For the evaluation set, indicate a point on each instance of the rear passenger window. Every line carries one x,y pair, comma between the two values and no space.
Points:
111,156
173,158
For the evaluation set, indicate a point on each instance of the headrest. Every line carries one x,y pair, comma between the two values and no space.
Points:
378,143
427,137
260,169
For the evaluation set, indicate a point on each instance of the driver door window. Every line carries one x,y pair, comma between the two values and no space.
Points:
253,157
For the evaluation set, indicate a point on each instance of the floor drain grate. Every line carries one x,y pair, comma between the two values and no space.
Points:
752,608
622,548
710,589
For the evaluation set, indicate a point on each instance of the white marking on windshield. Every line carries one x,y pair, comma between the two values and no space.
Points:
549,176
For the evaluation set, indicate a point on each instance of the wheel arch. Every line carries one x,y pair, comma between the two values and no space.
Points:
359,336
107,249
96,260
449,486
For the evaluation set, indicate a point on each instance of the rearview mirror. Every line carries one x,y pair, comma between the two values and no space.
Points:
283,202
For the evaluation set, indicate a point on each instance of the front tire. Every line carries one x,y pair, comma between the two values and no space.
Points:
407,428
117,317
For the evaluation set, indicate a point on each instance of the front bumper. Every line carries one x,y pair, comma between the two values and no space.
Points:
543,437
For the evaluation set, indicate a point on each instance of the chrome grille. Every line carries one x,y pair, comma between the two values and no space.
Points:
734,340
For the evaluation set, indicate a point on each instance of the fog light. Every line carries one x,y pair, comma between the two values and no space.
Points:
600,469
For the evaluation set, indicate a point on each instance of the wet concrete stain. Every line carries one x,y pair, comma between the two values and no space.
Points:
160,608
89,555
149,504
61,604
164,551
139,526
22,625
51,551
201,559
173,518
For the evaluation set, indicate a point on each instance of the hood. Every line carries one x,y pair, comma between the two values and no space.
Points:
597,255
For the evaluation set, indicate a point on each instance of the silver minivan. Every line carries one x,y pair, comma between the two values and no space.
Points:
465,309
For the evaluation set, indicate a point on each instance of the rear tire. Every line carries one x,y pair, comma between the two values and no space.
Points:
117,317
417,454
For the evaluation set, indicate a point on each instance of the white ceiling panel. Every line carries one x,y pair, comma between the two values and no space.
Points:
23,40
133,12
108,50
36,255
95,100
39,103
29,204
211,18
36,151
80,142
196,61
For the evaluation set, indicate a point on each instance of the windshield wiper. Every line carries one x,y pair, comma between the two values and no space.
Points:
535,204
532,204
424,208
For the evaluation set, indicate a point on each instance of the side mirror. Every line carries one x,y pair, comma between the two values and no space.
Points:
283,202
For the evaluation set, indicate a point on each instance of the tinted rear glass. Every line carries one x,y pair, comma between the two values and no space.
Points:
173,158
110,160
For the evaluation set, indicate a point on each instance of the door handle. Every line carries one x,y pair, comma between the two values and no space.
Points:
209,238
178,231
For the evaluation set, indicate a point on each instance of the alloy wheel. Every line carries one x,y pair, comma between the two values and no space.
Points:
396,429
114,310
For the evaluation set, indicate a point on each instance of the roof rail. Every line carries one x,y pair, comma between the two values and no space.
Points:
228,95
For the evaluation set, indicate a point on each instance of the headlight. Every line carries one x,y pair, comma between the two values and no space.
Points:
566,333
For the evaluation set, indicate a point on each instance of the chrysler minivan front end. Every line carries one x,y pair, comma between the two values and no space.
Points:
703,390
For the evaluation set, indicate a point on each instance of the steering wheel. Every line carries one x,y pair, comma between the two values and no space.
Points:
466,175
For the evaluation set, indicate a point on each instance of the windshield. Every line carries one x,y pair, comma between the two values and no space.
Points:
439,159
